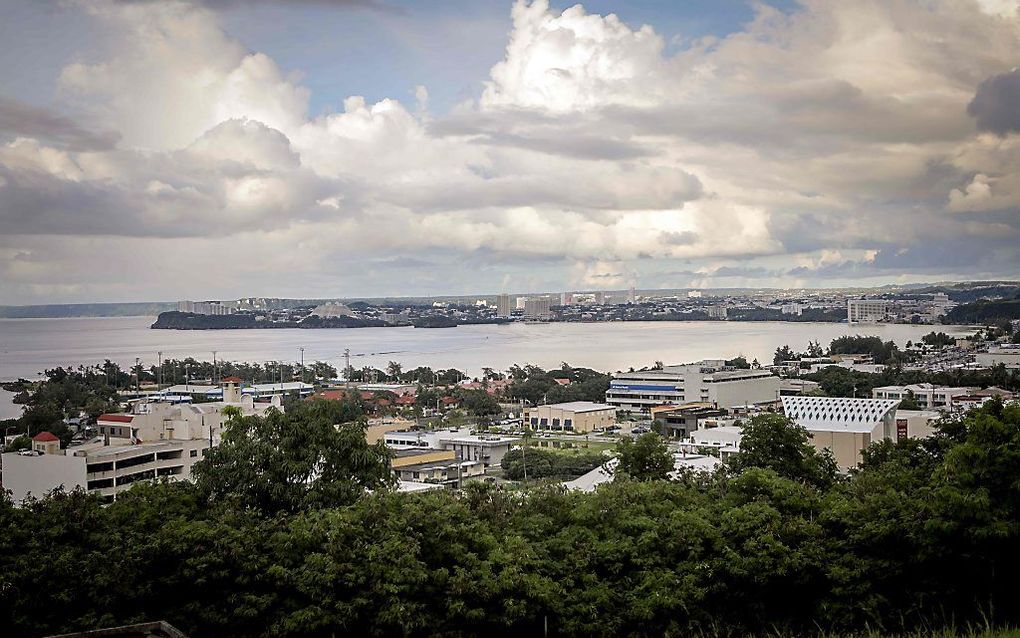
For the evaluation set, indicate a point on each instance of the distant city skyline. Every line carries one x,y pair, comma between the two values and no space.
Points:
201,149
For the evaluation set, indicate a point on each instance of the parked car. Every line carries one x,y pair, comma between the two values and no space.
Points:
641,429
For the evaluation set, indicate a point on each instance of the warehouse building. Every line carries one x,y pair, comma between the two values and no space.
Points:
575,416
843,425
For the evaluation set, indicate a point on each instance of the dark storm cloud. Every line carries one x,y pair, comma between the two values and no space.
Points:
34,202
18,119
996,104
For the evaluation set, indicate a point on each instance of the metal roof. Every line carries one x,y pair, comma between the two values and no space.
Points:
838,414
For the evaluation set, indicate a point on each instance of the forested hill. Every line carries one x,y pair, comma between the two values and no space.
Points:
984,312
56,311
174,320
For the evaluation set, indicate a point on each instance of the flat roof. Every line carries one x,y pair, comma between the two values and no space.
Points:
725,375
477,439
436,465
155,446
579,406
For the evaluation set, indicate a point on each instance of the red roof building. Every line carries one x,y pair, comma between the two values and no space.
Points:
45,437
116,418
332,395
230,380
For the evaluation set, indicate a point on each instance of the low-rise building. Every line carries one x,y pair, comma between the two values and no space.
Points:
155,440
794,386
679,421
928,396
575,416
106,470
722,441
705,382
486,448
916,424
1007,355
434,466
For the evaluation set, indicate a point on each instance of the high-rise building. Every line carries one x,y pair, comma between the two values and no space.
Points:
600,298
631,295
503,305
566,298
866,310
537,308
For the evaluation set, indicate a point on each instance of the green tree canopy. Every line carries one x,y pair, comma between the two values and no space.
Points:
646,458
774,442
312,456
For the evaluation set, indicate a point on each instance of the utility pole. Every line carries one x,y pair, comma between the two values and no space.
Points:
302,349
216,370
159,375
524,454
138,375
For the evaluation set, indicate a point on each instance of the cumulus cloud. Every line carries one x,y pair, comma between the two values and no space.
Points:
831,142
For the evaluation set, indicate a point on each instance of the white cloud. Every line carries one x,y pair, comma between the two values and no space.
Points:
816,138
575,61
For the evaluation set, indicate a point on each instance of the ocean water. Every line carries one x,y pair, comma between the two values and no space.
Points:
29,346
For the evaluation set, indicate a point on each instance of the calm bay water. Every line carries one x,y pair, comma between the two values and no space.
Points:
28,346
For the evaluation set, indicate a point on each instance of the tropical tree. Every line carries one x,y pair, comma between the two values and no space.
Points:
646,458
313,456
774,442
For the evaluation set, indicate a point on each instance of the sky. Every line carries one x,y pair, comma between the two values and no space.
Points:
205,149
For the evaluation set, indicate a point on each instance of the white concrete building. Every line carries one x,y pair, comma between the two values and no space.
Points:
845,426
485,448
866,310
156,440
105,470
704,382
1007,355
723,440
206,307
928,396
